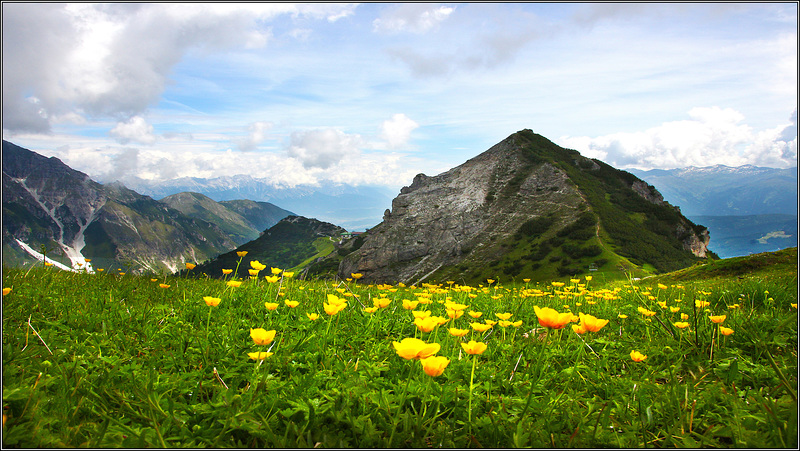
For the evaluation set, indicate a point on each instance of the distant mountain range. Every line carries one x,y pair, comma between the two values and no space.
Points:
356,208
525,207
79,223
747,209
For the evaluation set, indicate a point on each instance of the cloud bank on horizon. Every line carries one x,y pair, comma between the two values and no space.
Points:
376,93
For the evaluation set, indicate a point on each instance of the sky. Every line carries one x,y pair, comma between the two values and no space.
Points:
374,93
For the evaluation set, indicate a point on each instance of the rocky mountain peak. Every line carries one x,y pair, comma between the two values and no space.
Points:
480,211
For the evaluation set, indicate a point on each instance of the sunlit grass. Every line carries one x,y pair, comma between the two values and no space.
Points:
111,360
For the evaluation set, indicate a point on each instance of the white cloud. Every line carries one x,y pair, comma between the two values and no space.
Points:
101,60
712,136
397,130
411,17
256,135
323,148
136,130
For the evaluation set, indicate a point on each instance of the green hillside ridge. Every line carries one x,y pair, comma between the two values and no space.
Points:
290,244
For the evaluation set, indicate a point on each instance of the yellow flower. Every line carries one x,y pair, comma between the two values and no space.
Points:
637,356
356,275
550,318
674,309
189,266
421,313
241,253
434,365
622,315
291,304
332,309
275,271
718,318
227,271
234,283
100,269
48,264
163,285
458,332
454,314
684,316
490,322
517,323
454,306
662,304
645,312
381,302
271,279
259,355
261,336
474,347
701,304
725,331
6,291
478,327
414,348
592,324
578,329
370,309
794,305
490,281
528,280
271,305
253,272
426,324
681,324
662,287
312,316
211,302
475,314
288,274
409,305
504,316
588,278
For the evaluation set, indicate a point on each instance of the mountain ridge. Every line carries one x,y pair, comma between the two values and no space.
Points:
519,197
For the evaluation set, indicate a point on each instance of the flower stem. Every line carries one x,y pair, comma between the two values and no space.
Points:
471,379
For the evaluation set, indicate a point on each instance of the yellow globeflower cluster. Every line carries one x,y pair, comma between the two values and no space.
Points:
334,305
414,348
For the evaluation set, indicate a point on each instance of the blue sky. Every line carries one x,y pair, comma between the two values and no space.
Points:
376,93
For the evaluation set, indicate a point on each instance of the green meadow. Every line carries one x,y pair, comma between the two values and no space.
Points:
703,357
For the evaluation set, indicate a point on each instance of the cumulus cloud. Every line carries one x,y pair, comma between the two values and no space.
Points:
711,136
136,130
257,133
323,148
411,17
101,61
397,130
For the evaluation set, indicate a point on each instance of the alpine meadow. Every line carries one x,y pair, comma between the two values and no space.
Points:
701,357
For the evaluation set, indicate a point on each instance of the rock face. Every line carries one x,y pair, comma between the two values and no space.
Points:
468,214
47,203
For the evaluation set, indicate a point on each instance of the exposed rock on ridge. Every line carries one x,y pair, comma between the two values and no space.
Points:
468,214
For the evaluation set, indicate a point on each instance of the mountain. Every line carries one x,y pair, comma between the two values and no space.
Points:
47,204
726,191
747,209
525,208
352,207
242,220
293,243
